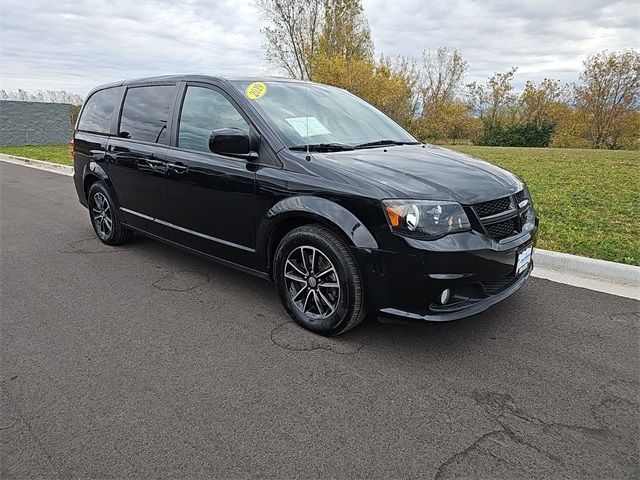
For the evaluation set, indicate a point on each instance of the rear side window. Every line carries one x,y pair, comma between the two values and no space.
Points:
96,114
204,110
145,113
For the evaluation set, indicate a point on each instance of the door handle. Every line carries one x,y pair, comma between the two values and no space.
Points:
152,161
177,167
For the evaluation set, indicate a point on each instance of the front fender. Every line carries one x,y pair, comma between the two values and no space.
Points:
352,227
315,209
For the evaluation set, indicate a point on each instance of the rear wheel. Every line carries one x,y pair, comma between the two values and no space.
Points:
318,280
102,211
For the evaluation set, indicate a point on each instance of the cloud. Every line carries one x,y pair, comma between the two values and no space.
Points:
542,38
76,45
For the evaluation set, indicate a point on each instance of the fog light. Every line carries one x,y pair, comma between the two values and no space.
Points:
444,296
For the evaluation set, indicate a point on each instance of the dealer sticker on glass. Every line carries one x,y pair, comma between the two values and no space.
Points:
308,126
524,259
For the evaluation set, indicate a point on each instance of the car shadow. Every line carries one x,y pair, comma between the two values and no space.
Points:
452,337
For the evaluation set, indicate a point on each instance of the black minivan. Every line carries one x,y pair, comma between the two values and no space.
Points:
306,185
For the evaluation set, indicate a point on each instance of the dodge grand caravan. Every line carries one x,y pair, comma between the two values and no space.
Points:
306,185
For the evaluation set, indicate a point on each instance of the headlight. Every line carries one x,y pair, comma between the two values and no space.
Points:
425,218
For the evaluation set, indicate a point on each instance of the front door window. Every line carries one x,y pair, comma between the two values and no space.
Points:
205,110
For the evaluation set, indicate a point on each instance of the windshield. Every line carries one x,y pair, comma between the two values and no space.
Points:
321,115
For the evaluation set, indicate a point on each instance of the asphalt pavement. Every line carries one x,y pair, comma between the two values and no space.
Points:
146,361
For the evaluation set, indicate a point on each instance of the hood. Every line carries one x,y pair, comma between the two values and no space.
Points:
425,172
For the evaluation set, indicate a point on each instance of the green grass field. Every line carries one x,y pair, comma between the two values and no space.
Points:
48,153
588,200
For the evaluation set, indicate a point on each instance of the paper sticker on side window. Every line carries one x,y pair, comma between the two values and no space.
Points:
310,124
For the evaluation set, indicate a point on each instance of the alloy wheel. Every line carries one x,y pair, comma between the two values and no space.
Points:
102,215
312,282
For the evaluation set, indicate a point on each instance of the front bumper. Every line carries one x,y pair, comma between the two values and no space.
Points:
479,273
461,309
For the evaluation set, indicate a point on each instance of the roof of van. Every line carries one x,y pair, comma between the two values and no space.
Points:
198,77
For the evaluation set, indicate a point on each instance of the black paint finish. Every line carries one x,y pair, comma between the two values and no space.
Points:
235,210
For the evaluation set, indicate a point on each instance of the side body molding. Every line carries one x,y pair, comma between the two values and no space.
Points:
315,208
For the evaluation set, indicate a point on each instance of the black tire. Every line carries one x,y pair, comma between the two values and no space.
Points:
319,244
103,212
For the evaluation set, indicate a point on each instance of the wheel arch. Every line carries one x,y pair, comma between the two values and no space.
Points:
293,212
93,172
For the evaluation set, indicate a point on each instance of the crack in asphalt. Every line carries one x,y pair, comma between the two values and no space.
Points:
31,432
516,425
626,318
463,453
292,337
91,246
181,281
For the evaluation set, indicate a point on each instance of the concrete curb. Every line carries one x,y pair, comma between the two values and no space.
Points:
608,277
40,164
574,264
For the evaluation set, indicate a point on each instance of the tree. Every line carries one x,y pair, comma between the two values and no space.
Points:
570,129
386,84
345,31
302,30
292,37
540,104
442,75
451,122
492,102
50,96
443,116
329,42
609,95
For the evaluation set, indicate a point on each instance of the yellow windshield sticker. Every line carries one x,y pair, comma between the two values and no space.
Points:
255,90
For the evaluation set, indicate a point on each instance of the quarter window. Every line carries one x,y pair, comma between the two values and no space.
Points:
145,113
96,114
204,110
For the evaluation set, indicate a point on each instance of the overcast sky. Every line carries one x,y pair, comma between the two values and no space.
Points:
78,44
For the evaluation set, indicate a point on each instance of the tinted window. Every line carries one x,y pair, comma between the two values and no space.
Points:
96,115
204,110
145,113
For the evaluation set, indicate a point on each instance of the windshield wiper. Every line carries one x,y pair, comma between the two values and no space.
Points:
383,143
322,147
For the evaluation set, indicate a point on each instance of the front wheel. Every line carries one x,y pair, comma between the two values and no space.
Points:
102,211
318,280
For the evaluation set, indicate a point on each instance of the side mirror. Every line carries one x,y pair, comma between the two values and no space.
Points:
230,141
